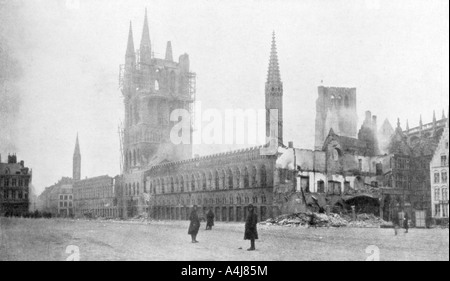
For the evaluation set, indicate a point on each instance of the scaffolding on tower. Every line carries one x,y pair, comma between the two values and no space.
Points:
121,141
192,91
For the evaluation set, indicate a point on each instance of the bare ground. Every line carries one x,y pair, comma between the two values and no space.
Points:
23,239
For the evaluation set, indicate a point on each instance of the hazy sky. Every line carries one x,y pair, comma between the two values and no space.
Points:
394,52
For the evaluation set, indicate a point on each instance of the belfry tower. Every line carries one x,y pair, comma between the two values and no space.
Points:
274,93
152,89
76,173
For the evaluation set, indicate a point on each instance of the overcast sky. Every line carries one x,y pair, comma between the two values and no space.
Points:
394,52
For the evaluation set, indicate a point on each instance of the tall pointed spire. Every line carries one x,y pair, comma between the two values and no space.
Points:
77,147
274,69
434,116
407,125
145,47
169,55
130,46
274,96
76,162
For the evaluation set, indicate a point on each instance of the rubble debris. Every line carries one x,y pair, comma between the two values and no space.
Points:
324,220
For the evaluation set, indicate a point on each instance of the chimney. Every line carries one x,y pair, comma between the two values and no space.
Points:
291,144
374,122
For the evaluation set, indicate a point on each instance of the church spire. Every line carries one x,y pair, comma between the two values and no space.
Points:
145,47
169,55
407,125
130,46
273,75
77,162
274,97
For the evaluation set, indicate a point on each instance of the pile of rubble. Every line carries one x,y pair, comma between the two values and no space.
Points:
307,219
367,221
324,220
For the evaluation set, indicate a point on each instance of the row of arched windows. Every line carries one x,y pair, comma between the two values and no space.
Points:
132,157
231,200
132,189
212,180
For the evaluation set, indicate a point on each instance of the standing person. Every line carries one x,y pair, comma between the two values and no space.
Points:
251,233
406,222
396,222
209,219
194,226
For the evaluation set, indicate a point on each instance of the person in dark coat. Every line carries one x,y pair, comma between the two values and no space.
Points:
406,222
396,222
209,219
194,226
251,232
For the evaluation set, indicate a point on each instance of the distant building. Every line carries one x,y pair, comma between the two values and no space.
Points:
439,178
15,180
55,198
95,196
58,198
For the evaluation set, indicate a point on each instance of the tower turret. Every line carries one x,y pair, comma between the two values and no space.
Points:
169,55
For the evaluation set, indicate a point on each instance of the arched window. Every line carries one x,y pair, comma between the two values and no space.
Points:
192,183
436,177
437,193
339,101
253,177
333,100
137,189
210,181
246,178
181,186
263,176
134,188
238,178
163,186
134,158
230,179
203,179
216,180
444,193
172,187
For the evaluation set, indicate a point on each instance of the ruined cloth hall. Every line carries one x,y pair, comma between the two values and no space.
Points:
346,167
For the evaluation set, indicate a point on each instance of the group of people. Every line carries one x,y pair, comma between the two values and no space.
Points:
251,232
